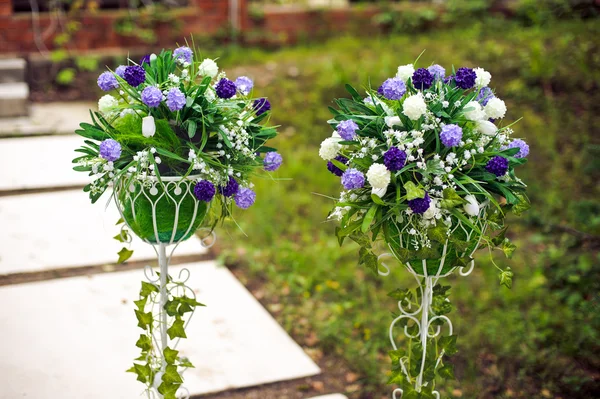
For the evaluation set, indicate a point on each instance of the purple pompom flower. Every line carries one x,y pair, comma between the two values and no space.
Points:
353,178
451,135
204,190
225,88
110,150
334,169
394,159
244,85
422,79
107,81
120,71
245,198
420,205
261,105
272,161
135,75
347,129
151,96
393,88
437,71
521,145
497,165
175,99
183,55
145,60
485,95
231,187
465,78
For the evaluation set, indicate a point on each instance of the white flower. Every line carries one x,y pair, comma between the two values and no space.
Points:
486,127
405,72
380,192
432,211
210,95
379,176
148,126
208,67
495,108
472,206
329,148
483,77
393,121
107,103
475,113
414,106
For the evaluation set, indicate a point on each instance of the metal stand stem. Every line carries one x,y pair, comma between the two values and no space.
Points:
163,263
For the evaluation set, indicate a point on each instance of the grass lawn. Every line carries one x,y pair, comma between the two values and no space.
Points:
538,340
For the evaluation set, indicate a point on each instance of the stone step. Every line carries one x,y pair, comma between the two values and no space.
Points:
74,338
46,231
14,99
12,70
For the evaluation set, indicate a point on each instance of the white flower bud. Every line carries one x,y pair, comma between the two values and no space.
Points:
148,126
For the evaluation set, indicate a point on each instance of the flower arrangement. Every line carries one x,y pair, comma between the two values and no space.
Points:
173,136
428,170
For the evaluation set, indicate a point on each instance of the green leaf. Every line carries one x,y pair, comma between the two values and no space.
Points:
144,343
508,248
506,278
123,236
446,371
177,330
184,362
124,254
397,377
368,258
413,192
147,289
396,355
448,344
438,233
368,219
168,390
142,371
171,307
523,204
170,355
144,319
451,199
377,199
500,237
171,376
141,303
361,239
192,127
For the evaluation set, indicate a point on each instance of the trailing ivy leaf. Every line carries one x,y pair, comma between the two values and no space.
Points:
506,278
170,355
171,376
124,254
190,301
438,233
458,244
171,307
448,344
361,239
147,289
396,355
141,303
400,294
368,258
142,371
412,191
500,237
184,362
428,253
144,343
144,319
451,199
119,237
523,205
446,371
177,329
168,390
397,377
508,248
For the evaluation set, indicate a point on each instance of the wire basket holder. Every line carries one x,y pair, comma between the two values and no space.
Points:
423,317
155,195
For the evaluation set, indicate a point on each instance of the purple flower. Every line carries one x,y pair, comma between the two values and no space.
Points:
451,135
107,81
465,78
420,205
437,71
183,54
379,91
422,79
120,71
261,105
225,88
145,60
245,198
151,96
353,178
334,169
175,99
347,129
485,95
394,159
204,190
272,161
110,150
393,89
521,145
134,75
231,187
449,79
497,165
244,84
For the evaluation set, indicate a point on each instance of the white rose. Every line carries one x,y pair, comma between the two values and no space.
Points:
379,176
431,211
329,148
483,77
414,106
475,113
148,126
405,72
208,67
472,206
107,104
486,127
393,121
495,108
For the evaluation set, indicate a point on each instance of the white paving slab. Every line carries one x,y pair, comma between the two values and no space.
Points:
73,338
50,118
49,163
63,229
